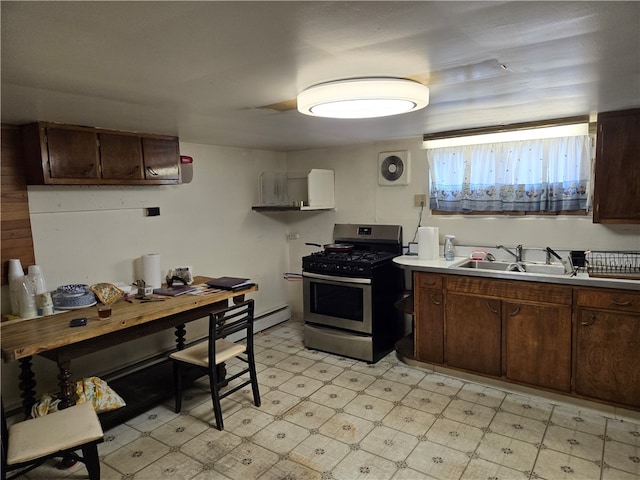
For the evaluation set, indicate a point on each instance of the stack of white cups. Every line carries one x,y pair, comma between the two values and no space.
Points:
29,295
44,302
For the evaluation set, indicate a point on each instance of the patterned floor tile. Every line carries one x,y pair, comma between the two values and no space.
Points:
469,413
409,420
179,430
247,461
289,470
404,374
294,363
352,380
441,384
346,428
301,386
580,420
438,461
481,394
136,455
387,390
512,453
319,452
426,401
210,445
247,421
322,372
173,466
117,437
622,456
625,432
455,435
552,465
359,464
309,414
389,443
333,396
277,402
518,426
481,469
574,443
280,436
530,407
370,408
272,377
270,356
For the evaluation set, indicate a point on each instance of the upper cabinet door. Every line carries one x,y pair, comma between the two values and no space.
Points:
121,156
617,169
161,159
72,153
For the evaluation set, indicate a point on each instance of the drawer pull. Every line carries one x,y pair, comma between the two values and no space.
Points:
515,312
621,304
493,310
434,300
591,321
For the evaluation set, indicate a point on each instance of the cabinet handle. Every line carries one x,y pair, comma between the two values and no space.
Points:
621,304
491,308
515,312
434,300
591,321
152,171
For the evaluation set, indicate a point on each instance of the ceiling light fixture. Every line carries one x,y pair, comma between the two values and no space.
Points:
363,98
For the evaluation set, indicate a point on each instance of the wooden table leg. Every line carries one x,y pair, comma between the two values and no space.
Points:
67,387
180,335
27,385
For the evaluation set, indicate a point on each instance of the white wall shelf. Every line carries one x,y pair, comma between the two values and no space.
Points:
296,191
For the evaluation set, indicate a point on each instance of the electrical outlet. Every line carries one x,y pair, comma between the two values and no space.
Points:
293,236
419,200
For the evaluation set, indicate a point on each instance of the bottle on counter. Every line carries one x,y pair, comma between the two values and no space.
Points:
449,250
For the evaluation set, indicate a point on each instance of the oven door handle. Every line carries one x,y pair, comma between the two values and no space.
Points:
333,278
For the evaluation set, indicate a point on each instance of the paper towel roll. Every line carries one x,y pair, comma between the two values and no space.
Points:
151,271
428,238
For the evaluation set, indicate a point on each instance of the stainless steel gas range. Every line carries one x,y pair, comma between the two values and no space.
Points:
349,294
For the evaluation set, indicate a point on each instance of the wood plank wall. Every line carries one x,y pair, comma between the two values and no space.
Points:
15,223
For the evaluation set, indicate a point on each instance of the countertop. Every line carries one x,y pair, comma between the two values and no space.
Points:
411,262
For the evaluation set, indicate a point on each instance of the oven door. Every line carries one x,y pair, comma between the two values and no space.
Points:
341,302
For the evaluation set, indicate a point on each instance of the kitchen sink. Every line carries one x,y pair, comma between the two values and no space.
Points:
510,267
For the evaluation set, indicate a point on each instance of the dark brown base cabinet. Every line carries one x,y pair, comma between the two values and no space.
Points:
607,347
429,309
578,341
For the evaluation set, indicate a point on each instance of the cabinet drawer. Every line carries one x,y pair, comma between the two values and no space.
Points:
514,290
427,280
620,300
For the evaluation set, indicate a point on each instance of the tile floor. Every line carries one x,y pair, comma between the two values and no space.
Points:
327,417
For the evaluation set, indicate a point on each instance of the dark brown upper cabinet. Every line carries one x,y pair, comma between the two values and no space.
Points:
617,168
57,154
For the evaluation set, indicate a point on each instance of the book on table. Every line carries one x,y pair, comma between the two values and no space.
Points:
174,291
230,283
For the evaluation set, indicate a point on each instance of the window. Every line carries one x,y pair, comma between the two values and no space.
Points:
530,173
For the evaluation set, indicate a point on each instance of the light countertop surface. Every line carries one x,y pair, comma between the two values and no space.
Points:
411,262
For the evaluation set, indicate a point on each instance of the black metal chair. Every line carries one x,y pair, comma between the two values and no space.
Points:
28,444
209,355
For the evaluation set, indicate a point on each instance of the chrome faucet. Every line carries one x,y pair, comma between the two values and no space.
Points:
517,255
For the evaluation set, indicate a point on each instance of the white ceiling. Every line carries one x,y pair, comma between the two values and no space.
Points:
200,70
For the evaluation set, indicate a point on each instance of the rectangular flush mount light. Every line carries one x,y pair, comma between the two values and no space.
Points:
363,98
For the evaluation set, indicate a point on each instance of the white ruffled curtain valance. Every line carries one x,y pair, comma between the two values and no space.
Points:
543,175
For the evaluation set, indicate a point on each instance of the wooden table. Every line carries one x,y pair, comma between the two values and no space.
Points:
52,337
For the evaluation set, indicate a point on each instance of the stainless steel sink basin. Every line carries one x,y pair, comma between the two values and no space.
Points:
510,267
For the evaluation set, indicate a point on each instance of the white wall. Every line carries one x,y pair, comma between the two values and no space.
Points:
359,199
94,234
